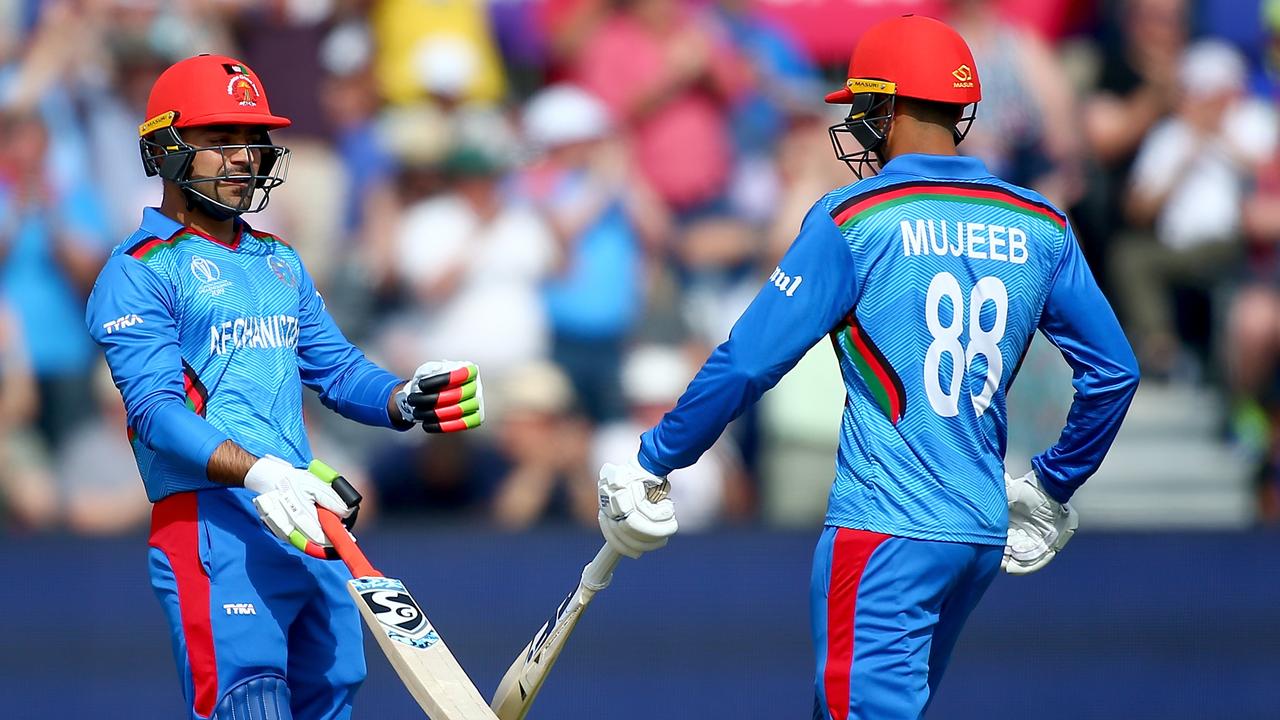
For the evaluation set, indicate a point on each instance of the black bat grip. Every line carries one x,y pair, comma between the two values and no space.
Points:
349,495
346,491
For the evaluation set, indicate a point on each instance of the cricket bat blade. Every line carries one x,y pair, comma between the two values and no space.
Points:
523,680
404,634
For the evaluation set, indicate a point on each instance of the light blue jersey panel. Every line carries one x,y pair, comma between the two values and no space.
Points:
209,342
929,280
954,275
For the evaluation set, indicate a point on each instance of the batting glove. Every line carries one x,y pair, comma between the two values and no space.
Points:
636,516
287,499
1039,526
444,396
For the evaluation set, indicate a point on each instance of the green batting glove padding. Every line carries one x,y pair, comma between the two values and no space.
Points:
322,471
298,540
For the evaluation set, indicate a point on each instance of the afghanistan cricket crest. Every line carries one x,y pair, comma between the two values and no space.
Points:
396,611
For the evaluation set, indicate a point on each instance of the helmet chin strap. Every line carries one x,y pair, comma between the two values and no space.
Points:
878,150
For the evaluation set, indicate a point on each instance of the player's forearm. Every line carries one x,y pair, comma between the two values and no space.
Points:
725,386
359,390
229,463
1101,402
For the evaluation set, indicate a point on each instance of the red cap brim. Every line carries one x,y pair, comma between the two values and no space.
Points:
233,118
841,96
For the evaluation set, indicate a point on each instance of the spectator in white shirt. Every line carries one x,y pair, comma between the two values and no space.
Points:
1187,188
474,260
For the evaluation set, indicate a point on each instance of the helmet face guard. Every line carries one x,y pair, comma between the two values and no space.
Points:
864,130
164,153
867,125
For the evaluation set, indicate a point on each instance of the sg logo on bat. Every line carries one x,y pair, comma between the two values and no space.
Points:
397,612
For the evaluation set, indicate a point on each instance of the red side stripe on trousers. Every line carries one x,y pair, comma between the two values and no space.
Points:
852,549
175,532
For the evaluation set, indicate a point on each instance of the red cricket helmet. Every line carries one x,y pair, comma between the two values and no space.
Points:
912,56
211,90
909,56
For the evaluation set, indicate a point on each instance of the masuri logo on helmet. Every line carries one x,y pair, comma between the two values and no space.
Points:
209,90
910,56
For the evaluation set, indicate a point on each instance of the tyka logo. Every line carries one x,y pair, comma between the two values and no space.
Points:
963,76
282,271
784,282
204,269
121,323
396,611
239,609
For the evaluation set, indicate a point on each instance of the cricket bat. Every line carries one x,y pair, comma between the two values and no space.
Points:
523,680
415,649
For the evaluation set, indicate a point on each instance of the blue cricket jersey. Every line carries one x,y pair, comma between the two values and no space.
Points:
209,342
930,279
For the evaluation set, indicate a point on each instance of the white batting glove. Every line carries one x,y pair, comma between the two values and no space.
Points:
444,396
287,499
636,517
1039,526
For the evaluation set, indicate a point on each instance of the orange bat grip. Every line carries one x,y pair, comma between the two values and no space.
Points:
345,545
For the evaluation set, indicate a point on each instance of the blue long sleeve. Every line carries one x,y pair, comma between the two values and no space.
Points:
805,298
347,382
1080,322
131,315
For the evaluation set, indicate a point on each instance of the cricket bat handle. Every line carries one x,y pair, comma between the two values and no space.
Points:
345,544
598,573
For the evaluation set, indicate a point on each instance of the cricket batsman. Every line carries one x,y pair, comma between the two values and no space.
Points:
211,329
930,279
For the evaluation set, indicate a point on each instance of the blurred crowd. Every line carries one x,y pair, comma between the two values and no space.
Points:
582,195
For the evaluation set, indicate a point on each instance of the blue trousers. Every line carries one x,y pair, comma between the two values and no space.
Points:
243,604
886,614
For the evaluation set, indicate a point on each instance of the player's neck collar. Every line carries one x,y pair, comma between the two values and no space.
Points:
937,166
157,224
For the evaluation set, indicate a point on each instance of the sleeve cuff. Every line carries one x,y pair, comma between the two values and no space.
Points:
207,447
650,466
1053,487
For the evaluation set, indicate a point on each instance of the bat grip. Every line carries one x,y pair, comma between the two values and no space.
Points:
342,541
599,572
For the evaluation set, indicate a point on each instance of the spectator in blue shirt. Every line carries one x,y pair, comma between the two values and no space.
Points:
603,216
51,248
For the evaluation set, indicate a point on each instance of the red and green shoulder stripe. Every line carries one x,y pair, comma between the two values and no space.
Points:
876,372
150,247
864,205
266,237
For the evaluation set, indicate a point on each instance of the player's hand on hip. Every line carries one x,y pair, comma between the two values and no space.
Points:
636,516
443,396
287,499
1039,526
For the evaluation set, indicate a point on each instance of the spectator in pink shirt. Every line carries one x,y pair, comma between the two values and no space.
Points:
668,74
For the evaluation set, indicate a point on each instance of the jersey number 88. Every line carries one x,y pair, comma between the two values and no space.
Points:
946,341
